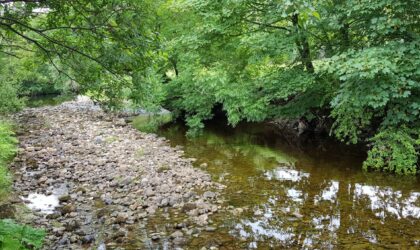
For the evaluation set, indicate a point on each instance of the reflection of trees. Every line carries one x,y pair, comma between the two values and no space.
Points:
313,202
326,214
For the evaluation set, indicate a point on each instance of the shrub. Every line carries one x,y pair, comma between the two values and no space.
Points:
15,236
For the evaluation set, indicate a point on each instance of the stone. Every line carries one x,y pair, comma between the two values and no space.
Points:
72,225
210,229
155,236
58,231
108,181
64,198
87,239
149,192
121,218
164,202
176,234
53,216
209,195
67,209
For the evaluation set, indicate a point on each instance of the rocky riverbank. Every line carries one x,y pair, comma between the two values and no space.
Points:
94,182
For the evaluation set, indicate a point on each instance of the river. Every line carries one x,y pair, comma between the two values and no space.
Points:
287,192
306,193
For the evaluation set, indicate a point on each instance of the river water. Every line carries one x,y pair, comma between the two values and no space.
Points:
300,192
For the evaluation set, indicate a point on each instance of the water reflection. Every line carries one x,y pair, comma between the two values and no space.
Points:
329,193
298,218
385,201
305,196
287,174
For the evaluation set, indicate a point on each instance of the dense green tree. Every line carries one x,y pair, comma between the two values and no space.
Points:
355,62
104,46
350,63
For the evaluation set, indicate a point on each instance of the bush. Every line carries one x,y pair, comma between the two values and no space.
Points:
395,151
9,101
7,151
15,236
150,123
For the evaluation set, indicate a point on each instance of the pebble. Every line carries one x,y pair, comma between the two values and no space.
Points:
97,158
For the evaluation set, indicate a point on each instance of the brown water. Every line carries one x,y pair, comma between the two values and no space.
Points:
300,193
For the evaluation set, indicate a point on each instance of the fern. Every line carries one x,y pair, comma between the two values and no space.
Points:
14,236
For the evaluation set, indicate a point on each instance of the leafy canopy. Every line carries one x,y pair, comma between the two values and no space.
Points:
354,63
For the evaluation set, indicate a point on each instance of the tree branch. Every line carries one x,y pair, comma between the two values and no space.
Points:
267,25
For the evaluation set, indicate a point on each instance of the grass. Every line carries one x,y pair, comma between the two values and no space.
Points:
150,123
12,235
7,151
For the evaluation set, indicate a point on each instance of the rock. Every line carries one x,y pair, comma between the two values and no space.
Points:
101,212
120,122
53,216
164,202
67,209
151,210
43,179
74,239
87,239
120,233
149,192
188,207
114,176
72,225
210,229
98,140
64,241
64,198
176,234
209,195
121,218
179,241
237,211
58,231
202,220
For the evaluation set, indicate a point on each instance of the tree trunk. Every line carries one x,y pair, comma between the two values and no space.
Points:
303,46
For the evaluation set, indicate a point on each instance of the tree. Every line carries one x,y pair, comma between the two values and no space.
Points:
102,45
352,61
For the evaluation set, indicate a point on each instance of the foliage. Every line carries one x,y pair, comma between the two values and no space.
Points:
7,151
9,89
103,46
150,123
355,62
395,150
15,236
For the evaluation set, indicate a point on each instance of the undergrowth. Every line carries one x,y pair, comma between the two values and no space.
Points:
14,236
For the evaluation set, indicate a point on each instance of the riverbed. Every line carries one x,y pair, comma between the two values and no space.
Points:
284,191
307,192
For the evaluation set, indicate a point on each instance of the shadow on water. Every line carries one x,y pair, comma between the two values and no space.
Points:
306,192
